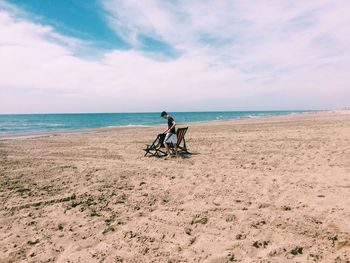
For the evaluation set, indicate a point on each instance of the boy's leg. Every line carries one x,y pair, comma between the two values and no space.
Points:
167,148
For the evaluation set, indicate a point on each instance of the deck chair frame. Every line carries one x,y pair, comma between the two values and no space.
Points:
181,141
155,149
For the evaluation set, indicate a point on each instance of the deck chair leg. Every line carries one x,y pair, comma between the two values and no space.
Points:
185,147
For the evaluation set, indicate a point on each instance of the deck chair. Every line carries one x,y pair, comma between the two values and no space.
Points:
154,149
181,142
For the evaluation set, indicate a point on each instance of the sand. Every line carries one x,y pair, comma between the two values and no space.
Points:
271,189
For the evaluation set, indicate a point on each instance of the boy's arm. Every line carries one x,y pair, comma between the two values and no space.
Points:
166,130
174,124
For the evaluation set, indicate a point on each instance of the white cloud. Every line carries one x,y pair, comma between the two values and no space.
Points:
282,46
234,55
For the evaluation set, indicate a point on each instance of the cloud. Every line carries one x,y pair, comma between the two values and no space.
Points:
290,46
281,34
35,66
185,55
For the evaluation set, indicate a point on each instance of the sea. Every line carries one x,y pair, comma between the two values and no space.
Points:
28,123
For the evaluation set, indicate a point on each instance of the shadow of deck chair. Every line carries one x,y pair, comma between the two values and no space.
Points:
154,149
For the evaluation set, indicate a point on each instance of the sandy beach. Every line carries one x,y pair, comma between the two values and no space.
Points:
273,189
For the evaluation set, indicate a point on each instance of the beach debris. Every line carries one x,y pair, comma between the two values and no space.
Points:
60,227
277,251
23,190
264,205
199,219
90,201
108,229
316,257
192,240
121,199
316,221
75,204
321,196
286,208
230,218
110,219
217,203
165,200
31,223
231,257
260,223
118,259
333,238
188,231
145,251
93,213
129,234
263,244
240,236
30,242
297,250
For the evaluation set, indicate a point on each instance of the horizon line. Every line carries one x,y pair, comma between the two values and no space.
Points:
142,112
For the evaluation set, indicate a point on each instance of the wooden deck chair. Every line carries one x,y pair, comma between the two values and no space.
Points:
154,149
181,141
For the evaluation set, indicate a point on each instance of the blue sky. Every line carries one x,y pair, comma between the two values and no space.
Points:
86,20
128,55
76,18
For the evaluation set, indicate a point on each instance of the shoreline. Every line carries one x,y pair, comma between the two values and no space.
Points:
53,133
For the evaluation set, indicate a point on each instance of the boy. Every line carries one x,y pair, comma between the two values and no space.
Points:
170,136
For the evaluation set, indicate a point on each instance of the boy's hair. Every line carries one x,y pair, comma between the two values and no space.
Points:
163,114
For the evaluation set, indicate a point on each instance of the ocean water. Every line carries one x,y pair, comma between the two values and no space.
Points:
22,123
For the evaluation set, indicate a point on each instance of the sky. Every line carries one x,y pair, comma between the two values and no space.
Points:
71,56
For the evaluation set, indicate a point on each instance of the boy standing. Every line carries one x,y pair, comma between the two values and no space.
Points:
170,132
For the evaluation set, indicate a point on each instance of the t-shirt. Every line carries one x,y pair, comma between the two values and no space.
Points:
170,123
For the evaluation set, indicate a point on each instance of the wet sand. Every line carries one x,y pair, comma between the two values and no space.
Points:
271,189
